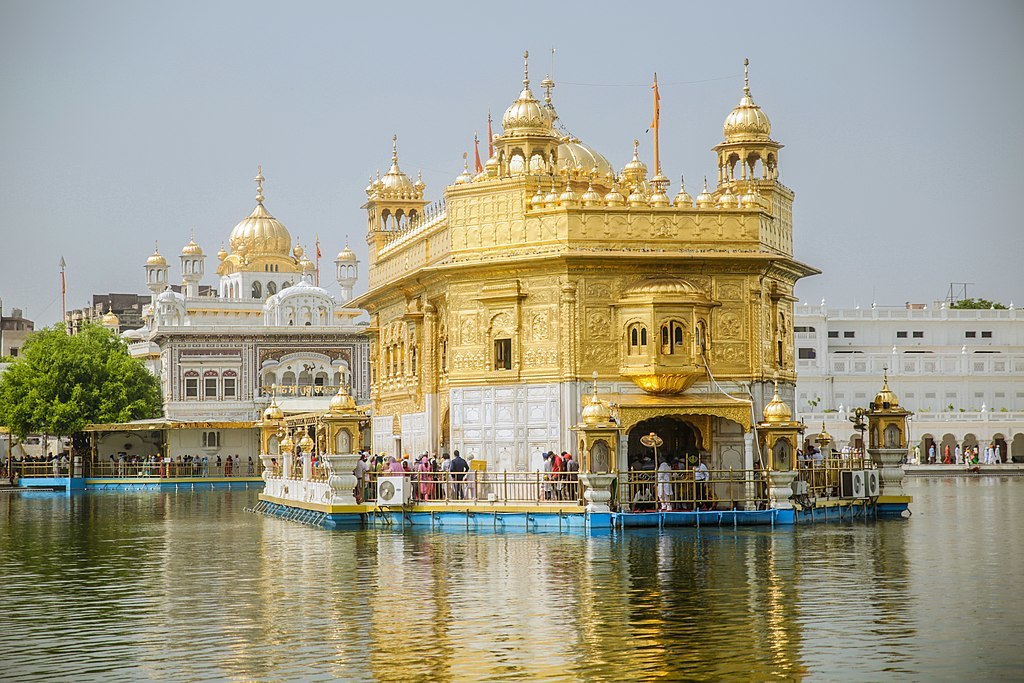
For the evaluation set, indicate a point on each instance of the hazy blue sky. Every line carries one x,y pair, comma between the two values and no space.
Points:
125,122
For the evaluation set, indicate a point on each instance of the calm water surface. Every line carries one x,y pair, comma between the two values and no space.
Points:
188,586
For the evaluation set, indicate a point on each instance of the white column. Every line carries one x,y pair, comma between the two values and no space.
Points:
748,466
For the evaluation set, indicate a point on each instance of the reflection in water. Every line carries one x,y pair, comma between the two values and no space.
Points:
174,586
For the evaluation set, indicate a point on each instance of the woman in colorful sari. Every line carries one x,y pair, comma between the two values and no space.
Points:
423,472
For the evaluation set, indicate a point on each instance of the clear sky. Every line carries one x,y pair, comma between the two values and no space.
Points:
122,123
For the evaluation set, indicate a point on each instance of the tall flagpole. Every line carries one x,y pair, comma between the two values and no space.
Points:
490,136
654,124
63,294
317,259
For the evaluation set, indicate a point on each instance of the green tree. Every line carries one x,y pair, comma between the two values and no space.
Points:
61,383
977,304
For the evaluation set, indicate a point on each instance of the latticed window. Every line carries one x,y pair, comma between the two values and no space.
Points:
637,335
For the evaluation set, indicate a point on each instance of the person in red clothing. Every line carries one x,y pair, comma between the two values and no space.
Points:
557,470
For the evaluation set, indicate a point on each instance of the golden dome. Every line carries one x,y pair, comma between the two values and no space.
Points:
751,198
727,200
637,198
747,123
823,436
635,172
260,233
395,183
683,200
596,412
591,197
614,197
573,154
306,265
704,199
342,402
222,253
568,196
273,411
346,255
298,251
537,200
776,411
110,319
551,198
526,115
287,445
886,399
156,259
306,443
192,249
465,176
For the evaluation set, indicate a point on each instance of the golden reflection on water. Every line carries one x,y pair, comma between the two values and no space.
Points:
172,586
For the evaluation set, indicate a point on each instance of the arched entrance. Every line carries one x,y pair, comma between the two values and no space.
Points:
682,441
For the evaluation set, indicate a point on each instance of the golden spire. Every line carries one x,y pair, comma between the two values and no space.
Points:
746,77
394,148
526,69
259,183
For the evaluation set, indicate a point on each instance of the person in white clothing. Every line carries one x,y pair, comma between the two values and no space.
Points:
665,485
959,454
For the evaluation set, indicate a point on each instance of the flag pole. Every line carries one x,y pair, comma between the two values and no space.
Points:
63,294
317,259
654,124
490,136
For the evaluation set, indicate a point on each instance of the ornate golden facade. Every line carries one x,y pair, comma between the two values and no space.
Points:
491,308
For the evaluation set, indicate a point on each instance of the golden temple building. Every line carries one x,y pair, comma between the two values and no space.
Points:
493,308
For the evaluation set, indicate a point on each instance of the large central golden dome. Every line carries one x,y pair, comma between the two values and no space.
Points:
260,234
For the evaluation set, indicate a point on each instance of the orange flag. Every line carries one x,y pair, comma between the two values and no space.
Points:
476,146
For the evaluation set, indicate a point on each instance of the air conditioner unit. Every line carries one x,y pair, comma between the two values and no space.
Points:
851,484
393,491
872,484
800,488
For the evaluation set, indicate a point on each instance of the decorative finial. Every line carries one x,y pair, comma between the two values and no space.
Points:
394,148
156,247
746,76
885,376
465,162
682,183
526,68
259,183
636,149
705,183
595,383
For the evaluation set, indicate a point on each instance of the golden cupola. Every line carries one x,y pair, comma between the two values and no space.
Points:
683,200
596,412
395,183
192,249
342,402
273,411
634,173
576,159
156,258
777,411
747,122
527,116
886,399
259,233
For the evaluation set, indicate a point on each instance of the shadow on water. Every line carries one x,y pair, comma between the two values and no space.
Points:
183,585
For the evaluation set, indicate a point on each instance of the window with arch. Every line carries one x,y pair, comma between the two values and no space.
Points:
637,336
672,337
271,288
257,291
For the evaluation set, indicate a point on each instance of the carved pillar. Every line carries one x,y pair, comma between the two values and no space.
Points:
428,350
749,486
569,332
597,491
890,471
781,488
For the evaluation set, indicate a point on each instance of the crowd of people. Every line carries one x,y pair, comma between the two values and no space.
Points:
959,455
126,465
677,485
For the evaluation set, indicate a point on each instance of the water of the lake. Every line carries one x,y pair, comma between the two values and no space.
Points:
187,586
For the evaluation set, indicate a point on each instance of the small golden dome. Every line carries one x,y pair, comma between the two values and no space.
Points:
526,115
465,176
614,197
776,411
658,198
222,253
568,197
306,443
683,200
192,249
287,445
747,123
156,259
551,198
306,265
419,185
823,436
886,399
259,233
635,167
591,197
346,255
298,251
395,183
342,402
751,199
704,199
637,198
273,411
596,412
727,200
110,319
537,201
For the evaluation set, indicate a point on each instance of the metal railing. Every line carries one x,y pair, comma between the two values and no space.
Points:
535,488
171,470
823,478
690,490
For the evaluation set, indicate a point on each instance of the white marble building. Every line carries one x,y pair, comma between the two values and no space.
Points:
960,371
264,329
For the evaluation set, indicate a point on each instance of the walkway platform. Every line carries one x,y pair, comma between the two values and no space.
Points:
139,483
1003,469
